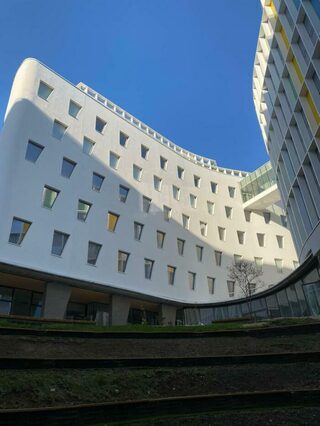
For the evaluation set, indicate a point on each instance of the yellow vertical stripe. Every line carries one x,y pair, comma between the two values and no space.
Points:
313,108
297,68
273,10
284,37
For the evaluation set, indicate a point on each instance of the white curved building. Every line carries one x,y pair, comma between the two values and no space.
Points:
286,90
105,217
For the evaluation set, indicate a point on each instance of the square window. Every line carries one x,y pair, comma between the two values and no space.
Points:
214,187
49,196
87,146
231,285
180,245
83,210
218,257
241,235
167,212
210,281
137,230
19,229
258,261
58,130
59,242
261,239
123,193
157,183
114,160
222,233
171,274
228,212
176,192
192,280
122,261
100,125
267,217
196,181
203,228
279,265
112,221
193,201
33,151
199,251
160,239
44,91
163,163
237,259
210,206
93,252
137,172
74,109
148,267
185,221
97,181
146,203
247,215
123,139
280,241
180,172
144,152
232,191
67,167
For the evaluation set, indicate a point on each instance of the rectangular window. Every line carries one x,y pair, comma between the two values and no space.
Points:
230,285
122,261
241,235
196,181
123,139
180,172
232,191
87,146
185,221
97,181
137,172
59,242
203,228
171,274
247,215
114,160
67,167
199,251
261,239
210,207
58,130
214,187
210,281
49,196
33,151
93,252
237,259
258,263
74,109
267,217
180,245
295,264
157,183
283,220
19,229
137,230
279,265
83,210
192,280
146,203
218,257
112,220
144,152
100,125
160,239
228,212
176,192
148,267
280,241
193,201
44,90
163,163
167,212
222,233
123,193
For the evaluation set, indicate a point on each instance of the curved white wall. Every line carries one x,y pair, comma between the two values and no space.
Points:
30,117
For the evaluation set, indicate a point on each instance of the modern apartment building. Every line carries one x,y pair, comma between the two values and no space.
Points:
106,219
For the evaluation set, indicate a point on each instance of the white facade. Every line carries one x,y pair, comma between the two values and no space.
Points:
29,117
286,91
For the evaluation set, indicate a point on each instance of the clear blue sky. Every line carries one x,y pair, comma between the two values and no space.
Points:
182,66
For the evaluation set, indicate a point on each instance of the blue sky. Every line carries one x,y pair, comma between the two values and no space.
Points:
184,67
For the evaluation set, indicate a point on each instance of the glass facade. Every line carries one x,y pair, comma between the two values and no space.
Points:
257,182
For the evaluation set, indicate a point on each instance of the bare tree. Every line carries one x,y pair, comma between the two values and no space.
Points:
245,275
